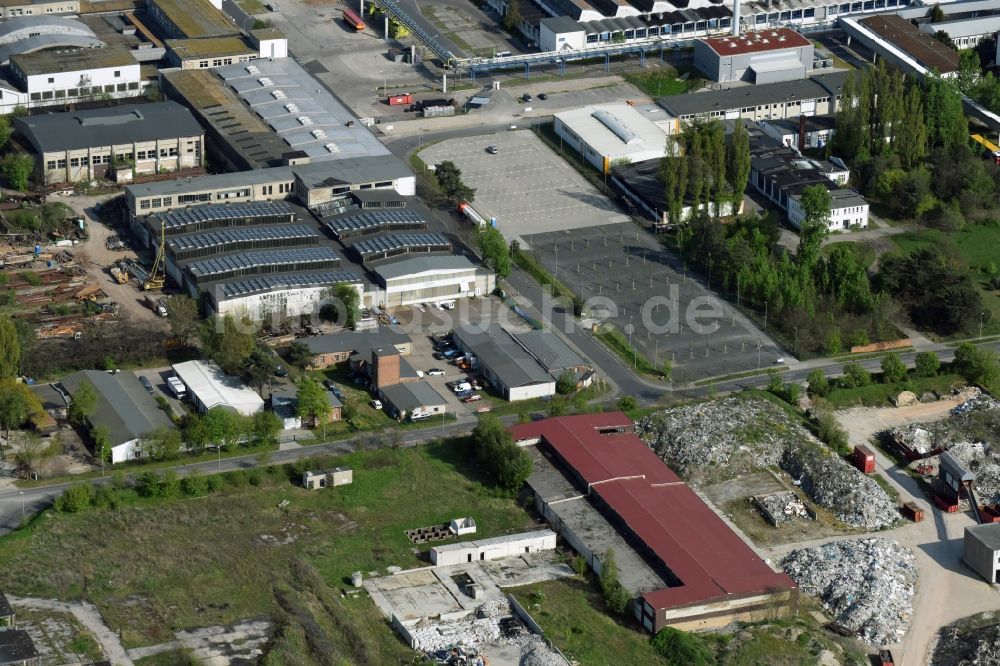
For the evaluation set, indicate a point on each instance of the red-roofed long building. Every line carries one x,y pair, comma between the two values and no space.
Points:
762,56
708,576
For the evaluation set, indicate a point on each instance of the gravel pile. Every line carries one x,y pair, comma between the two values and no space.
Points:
836,485
867,585
723,439
537,653
984,461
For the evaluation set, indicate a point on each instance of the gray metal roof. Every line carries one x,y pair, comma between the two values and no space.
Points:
256,260
222,237
260,284
300,109
39,42
209,182
988,534
554,354
368,222
20,27
123,406
408,396
352,341
400,243
352,170
417,265
73,130
813,87
179,218
497,350
972,27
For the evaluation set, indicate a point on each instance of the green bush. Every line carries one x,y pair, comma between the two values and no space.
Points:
927,364
194,485
213,483
680,648
818,383
627,403
831,432
855,376
75,499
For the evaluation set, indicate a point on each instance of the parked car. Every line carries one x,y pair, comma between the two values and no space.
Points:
377,404
542,96
280,372
451,353
435,372
462,395
438,356
526,98
462,387
475,397
146,384
493,150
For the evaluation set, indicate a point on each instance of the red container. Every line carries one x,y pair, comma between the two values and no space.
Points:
944,506
864,459
912,511
396,100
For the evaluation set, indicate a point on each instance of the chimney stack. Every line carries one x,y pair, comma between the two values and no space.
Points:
736,18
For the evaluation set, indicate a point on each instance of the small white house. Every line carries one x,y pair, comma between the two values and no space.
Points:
338,476
210,387
497,548
463,526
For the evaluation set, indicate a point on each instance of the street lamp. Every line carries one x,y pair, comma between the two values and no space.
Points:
981,315
22,505
385,84
765,316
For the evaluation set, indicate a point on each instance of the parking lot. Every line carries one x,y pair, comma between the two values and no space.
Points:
525,186
633,281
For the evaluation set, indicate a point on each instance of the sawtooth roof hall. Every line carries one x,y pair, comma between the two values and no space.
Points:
713,577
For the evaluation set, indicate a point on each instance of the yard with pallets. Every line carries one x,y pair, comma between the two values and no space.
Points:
153,566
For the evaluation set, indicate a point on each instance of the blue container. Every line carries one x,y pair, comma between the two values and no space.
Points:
38,249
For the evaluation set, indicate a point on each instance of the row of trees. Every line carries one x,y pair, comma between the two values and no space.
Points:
704,169
495,452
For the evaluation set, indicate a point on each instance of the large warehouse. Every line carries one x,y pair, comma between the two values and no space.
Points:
609,134
764,56
709,576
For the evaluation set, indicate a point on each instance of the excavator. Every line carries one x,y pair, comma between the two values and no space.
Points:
157,274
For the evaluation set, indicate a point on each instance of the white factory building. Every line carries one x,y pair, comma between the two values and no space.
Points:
496,548
430,279
763,56
607,135
210,387
64,76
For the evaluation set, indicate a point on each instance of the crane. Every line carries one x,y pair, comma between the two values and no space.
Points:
156,278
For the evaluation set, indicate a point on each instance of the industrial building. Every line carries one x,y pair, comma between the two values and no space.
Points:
119,141
642,186
190,19
124,409
965,33
981,551
338,348
708,576
520,366
609,134
763,56
902,44
15,8
815,95
781,174
431,279
27,34
414,400
44,78
208,386
211,52
802,133
496,548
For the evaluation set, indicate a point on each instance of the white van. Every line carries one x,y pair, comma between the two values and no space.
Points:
464,386
176,387
420,416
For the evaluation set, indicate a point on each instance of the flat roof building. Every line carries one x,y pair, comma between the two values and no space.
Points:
504,362
902,44
338,347
713,577
128,139
762,56
430,279
479,550
210,387
190,19
413,399
981,551
15,8
69,75
606,134
124,409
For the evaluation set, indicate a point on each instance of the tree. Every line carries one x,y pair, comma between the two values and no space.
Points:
912,149
566,383
312,403
183,318
76,498
738,161
17,404
346,304
818,383
33,452
5,131
627,403
977,364
829,431
944,116
927,364
17,168
855,376
163,443
102,443
259,368
84,402
680,648
495,452
945,39
512,17
228,341
449,177
299,354
10,347
893,369
608,576
265,427
937,14
815,203
494,250
673,171
224,427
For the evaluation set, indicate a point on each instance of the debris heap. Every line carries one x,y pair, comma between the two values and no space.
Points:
854,498
974,641
983,461
723,439
867,585
975,419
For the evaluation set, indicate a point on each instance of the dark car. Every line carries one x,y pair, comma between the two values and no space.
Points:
439,356
280,372
542,96
526,98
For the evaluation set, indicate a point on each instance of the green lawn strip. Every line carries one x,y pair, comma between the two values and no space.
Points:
252,6
864,252
658,81
540,275
618,343
880,395
153,566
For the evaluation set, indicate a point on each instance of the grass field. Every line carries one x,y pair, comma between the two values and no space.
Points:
977,246
618,343
660,81
153,566
880,395
864,253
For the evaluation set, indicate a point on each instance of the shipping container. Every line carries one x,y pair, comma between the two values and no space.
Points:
885,658
912,511
396,100
353,20
864,459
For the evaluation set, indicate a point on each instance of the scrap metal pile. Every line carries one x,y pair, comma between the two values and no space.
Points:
984,461
723,439
972,420
780,508
867,585
971,643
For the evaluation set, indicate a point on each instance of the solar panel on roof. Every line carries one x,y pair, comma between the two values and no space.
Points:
373,221
400,241
262,283
249,260
239,235
183,217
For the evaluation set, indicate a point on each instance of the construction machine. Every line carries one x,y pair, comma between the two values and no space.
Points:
157,277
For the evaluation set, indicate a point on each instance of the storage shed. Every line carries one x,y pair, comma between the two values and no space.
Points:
982,550
210,387
337,476
493,549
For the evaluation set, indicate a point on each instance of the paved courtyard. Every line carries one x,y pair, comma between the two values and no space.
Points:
525,186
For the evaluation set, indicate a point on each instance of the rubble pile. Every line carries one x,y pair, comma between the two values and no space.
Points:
969,642
537,653
731,436
975,419
867,585
916,437
834,484
983,461
723,439
781,508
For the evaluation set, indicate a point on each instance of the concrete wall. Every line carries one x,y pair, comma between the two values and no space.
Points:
493,549
980,558
408,291
714,616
